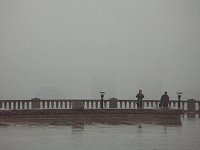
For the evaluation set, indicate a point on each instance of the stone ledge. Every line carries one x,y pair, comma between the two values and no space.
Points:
58,112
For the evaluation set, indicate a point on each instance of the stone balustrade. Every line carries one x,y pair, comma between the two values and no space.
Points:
36,103
15,104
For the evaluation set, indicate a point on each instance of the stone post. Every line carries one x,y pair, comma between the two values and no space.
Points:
112,103
35,103
191,105
77,104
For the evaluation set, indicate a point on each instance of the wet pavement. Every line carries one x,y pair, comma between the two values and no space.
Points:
101,133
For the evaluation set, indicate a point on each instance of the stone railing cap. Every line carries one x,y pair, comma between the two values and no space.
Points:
191,100
35,98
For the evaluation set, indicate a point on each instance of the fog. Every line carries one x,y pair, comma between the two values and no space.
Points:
77,48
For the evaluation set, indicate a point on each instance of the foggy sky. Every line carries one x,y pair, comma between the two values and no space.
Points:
77,48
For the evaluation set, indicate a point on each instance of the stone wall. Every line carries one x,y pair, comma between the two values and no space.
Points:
58,112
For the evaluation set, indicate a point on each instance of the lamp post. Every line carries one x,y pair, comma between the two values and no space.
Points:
102,96
179,98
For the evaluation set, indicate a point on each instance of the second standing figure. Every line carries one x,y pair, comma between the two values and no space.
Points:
140,97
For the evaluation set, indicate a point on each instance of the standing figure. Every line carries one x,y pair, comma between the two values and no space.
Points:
139,96
164,101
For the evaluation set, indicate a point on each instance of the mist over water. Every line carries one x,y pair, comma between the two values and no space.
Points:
75,49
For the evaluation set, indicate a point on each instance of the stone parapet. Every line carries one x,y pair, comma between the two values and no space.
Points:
58,112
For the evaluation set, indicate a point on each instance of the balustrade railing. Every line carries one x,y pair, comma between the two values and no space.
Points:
90,104
15,104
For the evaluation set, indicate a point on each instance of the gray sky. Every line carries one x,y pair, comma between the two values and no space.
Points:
76,48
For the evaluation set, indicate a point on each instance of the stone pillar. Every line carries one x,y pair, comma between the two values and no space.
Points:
35,103
77,104
191,105
112,103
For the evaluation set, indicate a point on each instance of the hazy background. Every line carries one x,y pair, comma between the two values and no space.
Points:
76,48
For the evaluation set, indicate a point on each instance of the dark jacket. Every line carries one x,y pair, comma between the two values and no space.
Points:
140,96
139,100
164,100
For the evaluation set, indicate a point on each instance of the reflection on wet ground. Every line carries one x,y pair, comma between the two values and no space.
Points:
80,120
113,132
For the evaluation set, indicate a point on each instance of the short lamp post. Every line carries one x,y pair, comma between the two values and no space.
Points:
102,96
179,94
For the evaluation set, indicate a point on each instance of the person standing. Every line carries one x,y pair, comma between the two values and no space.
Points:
164,101
140,97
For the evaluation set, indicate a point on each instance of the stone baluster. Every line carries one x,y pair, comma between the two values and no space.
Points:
9,104
88,104
125,104
56,104
61,104
85,105
23,105
151,104
14,105
134,104
174,104
130,104
156,104
48,104
105,104
147,104
92,103
120,104
27,104
96,103
43,104
0,104
70,104
52,104
18,105
199,106
5,104
143,104
183,105
170,104
66,104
